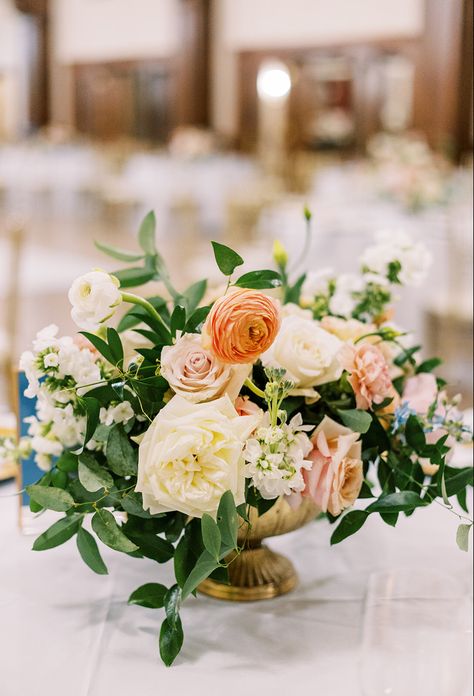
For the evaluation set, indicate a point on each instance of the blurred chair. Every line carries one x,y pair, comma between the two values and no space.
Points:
11,238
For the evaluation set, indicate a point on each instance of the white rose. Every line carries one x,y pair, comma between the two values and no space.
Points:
191,454
196,374
307,352
94,297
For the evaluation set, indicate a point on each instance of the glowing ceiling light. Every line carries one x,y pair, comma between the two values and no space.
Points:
273,81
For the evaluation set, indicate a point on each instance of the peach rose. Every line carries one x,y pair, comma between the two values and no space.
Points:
241,326
368,373
245,407
196,374
348,330
335,479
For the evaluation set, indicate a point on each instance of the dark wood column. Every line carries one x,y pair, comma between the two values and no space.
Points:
192,89
38,60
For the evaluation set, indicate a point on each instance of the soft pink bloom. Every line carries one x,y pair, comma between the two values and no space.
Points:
335,479
420,392
368,373
245,407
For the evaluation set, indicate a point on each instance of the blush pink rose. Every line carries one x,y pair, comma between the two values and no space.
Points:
369,374
196,374
335,478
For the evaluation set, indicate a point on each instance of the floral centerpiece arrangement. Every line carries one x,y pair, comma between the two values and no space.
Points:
407,171
173,432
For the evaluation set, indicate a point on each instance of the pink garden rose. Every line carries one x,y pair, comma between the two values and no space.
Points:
368,374
196,374
335,479
245,407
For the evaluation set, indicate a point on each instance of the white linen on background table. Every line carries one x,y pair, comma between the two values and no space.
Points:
64,630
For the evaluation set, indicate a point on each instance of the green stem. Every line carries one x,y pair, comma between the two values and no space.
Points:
253,388
135,299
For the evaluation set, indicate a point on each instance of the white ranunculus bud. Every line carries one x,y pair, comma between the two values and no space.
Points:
94,297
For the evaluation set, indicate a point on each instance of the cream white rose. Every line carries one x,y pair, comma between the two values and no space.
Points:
191,454
307,352
94,297
196,374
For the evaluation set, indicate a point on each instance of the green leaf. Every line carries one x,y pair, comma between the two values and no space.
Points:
457,481
357,420
133,277
132,502
92,475
390,518
151,595
259,280
462,536
90,553
59,478
151,545
108,531
397,502
414,433
205,565
58,533
184,558
92,408
350,524
136,314
118,254
122,457
293,293
211,535
228,520
193,296
429,365
101,346
51,498
171,641
178,319
146,234
67,462
226,258
115,345
197,318
172,604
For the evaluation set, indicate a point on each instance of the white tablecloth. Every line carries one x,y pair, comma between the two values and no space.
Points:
64,630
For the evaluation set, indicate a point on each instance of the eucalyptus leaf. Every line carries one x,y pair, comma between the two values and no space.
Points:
122,457
462,536
108,531
357,420
60,532
90,553
211,536
91,475
51,498
118,254
146,234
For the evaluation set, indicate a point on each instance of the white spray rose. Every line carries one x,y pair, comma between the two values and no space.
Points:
196,374
94,297
306,352
191,454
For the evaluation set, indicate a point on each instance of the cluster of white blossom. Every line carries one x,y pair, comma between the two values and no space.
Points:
395,252
58,370
275,457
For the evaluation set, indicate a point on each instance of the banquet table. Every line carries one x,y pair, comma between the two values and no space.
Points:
64,630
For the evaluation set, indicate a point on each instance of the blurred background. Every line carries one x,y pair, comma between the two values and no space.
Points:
226,118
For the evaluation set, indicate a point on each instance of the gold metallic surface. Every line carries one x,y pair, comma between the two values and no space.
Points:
257,572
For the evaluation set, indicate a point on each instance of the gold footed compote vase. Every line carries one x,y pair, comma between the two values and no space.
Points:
257,572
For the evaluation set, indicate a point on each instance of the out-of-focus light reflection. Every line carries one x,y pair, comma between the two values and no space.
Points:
273,81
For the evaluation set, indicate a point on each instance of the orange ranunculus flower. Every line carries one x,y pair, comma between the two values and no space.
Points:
241,326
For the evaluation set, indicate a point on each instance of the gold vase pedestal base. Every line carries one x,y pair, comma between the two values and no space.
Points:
256,573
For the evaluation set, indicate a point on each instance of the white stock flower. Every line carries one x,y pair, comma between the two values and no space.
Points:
121,413
191,454
94,297
342,301
306,352
276,455
397,246
316,283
